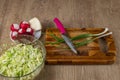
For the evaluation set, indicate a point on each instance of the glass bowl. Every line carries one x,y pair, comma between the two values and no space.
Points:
25,39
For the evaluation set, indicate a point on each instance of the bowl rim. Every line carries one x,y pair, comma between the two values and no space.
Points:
34,34
44,57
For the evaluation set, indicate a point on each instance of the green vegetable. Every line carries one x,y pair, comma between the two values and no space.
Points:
59,40
56,38
81,36
20,60
85,42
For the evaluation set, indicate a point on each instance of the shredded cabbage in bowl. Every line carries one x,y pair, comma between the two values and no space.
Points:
20,60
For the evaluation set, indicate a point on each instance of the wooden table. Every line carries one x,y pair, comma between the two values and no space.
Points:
73,13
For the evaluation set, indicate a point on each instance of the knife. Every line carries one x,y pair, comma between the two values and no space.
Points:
64,35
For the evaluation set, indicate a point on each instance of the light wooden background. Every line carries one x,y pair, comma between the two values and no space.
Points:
73,13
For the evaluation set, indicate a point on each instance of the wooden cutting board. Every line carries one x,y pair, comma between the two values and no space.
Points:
100,51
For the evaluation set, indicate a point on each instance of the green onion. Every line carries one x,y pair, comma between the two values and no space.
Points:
78,37
59,40
106,29
88,35
56,38
81,36
85,42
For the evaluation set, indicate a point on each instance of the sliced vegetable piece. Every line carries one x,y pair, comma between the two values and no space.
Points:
35,24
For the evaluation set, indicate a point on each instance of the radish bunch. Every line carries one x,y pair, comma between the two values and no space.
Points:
23,29
33,27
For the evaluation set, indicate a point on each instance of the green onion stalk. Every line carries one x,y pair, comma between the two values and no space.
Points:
85,42
81,36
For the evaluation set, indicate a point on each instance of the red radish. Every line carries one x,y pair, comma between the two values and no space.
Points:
14,34
24,25
29,31
22,31
14,27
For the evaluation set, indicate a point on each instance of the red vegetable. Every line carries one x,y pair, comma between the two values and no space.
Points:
24,25
14,27
14,34
22,31
30,31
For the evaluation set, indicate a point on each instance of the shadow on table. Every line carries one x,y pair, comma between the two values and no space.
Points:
46,74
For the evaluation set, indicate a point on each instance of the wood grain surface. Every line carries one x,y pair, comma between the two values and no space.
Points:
77,13
92,53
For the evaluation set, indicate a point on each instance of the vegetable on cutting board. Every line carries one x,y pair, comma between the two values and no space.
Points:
81,36
84,42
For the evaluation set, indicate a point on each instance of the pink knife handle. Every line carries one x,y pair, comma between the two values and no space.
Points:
59,25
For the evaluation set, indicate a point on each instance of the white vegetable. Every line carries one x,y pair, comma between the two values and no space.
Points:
35,24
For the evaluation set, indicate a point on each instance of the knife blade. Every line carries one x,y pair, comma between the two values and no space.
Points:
64,35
